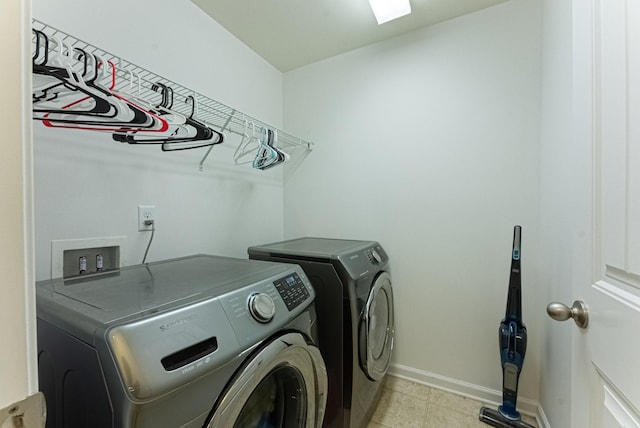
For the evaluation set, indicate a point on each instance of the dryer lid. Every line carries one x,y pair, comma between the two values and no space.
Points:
312,247
355,259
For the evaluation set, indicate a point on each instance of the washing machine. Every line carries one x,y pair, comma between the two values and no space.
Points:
354,301
199,341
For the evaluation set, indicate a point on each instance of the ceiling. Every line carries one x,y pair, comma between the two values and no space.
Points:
292,33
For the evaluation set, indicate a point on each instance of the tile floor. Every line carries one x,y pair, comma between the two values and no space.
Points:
412,405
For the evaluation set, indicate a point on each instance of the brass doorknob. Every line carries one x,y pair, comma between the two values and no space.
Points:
561,312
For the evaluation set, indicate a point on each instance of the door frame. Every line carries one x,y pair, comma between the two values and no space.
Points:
18,363
583,103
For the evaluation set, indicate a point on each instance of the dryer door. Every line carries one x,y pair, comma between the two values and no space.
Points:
284,385
378,329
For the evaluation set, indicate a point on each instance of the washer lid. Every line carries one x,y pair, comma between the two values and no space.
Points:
149,288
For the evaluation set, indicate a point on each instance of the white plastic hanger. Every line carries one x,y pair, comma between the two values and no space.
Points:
249,144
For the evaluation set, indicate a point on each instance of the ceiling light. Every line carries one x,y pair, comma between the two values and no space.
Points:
387,10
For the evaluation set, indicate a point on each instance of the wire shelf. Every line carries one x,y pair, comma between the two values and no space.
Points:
132,78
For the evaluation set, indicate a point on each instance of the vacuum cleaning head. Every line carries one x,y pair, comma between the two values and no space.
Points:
496,419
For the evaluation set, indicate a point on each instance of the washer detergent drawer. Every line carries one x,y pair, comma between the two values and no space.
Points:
158,354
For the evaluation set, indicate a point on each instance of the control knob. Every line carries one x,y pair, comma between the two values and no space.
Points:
261,307
376,257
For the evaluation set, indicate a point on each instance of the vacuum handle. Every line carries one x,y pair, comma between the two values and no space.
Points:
517,234
514,299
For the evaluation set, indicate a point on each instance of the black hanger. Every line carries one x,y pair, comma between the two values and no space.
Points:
98,118
102,107
98,108
204,136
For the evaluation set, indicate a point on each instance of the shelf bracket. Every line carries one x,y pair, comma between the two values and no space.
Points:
200,167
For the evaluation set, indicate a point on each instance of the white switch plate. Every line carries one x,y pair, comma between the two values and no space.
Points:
146,213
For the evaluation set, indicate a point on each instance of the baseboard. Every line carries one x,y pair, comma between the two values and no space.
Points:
543,422
486,395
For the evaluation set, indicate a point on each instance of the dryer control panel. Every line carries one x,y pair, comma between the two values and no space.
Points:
364,262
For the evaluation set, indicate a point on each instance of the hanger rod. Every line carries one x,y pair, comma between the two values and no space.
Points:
208,110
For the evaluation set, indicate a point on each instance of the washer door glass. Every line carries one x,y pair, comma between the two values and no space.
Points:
278,401
283,385
377,335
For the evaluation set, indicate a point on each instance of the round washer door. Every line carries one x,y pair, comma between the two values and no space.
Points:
283,385
378,329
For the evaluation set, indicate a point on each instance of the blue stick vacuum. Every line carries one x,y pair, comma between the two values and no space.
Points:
513,345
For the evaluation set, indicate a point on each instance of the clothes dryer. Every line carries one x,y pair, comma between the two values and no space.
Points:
354,301
200,341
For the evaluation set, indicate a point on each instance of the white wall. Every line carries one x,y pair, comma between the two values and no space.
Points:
429,143
88,186
558,196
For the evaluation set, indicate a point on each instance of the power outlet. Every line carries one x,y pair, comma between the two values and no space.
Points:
146,213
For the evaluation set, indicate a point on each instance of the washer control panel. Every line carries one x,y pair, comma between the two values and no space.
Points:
292,290
259,310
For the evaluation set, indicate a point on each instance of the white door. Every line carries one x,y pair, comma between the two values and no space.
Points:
606,355
614,296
